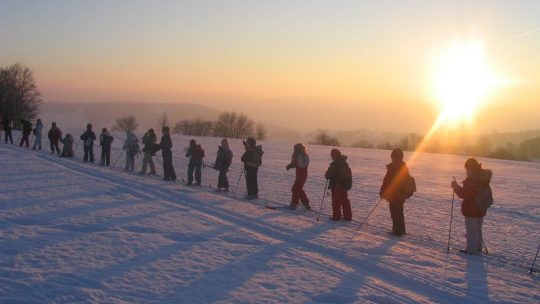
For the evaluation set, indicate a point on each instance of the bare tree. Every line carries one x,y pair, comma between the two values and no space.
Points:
19,95
323,138
233,125
194,127
163,121
125,123
260,131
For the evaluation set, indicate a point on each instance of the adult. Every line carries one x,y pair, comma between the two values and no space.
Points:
472,192
393,189
224,158
339,182
252,159
55,135
131,145
26,131
88,138
299,161
38,130
165,145
105,141
149,141
195,153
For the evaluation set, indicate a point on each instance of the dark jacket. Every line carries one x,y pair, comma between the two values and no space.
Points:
336,173
195,152
88,138
105,140
149,142
26,127
471,187
223,159
252,157
6,123
393,181
165,144
55,135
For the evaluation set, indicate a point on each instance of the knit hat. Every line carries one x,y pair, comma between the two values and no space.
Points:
335,153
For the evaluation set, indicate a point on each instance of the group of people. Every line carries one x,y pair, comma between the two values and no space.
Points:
397,186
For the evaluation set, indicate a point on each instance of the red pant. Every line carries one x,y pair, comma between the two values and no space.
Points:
25,139
298,194
340,201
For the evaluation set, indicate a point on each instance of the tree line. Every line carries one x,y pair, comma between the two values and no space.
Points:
228,124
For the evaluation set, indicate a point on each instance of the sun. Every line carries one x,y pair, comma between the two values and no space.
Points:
463,79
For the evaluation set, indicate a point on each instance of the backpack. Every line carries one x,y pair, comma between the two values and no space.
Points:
407,187
484,198
257,156
346,177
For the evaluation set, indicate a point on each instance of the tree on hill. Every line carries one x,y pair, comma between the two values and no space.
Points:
125,123
324,138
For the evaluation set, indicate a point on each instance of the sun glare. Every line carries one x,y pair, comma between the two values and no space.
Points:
462,80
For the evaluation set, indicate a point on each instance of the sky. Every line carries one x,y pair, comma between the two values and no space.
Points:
337,65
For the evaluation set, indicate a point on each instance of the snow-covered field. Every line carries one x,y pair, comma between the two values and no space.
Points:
76,232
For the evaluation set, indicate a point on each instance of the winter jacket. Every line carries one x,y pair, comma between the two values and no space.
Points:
27,127
88,138
195,152
105,140
131,144
39,128
55,135
67,150
149,142
6,123
471,187
392,185
223,159
252,157
165,144
337,174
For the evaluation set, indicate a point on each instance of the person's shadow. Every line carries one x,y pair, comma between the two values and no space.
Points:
476,278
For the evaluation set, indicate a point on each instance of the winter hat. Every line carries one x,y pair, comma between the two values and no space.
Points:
397,154
251,141
165,130
104,130
225,143
192,142
89,126
335,153
473,164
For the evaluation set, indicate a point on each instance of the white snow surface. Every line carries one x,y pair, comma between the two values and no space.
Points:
72,232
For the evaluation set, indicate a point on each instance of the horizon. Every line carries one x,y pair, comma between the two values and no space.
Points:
300,65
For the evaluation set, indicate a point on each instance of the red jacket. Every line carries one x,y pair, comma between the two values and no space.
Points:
471,187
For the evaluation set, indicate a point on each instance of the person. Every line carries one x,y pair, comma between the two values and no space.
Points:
131,145
223,162
26,131
88,138
7,124
105,141
38,130
393,189
252,159
55,135
339,182
477,179
165,146
299,161
67,149
195,153
149,141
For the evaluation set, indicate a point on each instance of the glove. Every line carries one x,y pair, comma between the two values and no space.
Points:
289,166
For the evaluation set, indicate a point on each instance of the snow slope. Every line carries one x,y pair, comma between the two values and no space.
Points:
75,232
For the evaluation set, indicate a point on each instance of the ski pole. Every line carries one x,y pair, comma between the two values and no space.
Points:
238,182
117,159
485,247
322,201
451,218
534,261
369,214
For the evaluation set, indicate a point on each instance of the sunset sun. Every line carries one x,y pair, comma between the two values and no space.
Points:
463,79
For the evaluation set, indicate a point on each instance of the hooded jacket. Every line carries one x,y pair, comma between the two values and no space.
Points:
55,135
393,180
471,187
335,173
223,159
252,157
